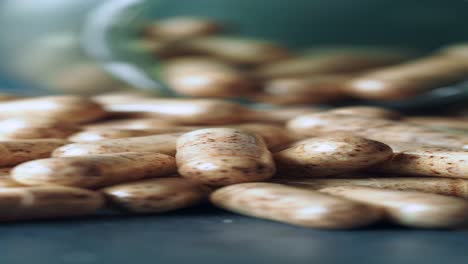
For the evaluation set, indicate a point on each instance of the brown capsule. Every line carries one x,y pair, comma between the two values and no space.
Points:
18,151
278,114
332,61
7,97
130,123
409,208
156,195
444,186
204,77
165,144
374,128
111,133
33,128
274,136
182,27
237,50
184,111
47,202
223,156
456,123
121,96
367,111
305,90
330,155
93,171
5,180
409,79
427,161
70,109
294,206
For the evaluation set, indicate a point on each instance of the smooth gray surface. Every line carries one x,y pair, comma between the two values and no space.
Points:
208,235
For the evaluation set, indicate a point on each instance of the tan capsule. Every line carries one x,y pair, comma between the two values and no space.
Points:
374,128
165,144
330,155
71,109
456,123
294,206
305,90
409,79
182,27
427,161
367,111
203,77
103,134
444,186
130,123
5,180
457,50
33,128
278,114
47,202
156,195
18,151
94,170
185,111
332,61
121,96
274,136
409,208
237,50
7,97
222,156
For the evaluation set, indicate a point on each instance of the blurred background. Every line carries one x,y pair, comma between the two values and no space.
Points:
74,46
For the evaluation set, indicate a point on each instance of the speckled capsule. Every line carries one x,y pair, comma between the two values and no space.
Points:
409,79
71,109
331,61
156,195
294,206
330,155
223,156
427,161
274,136
32,128
16,151
182,27
241,51
184,111
443,186
374,128
131,123
93,171
165,144
111,133
367,111
409,208
205,77
47,202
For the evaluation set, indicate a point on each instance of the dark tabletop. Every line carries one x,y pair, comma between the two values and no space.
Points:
207,235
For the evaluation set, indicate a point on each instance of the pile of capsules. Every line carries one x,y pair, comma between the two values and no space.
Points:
64,156
341,168
201,58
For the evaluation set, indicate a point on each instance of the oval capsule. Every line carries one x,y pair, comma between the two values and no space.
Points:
103,134
18,151
32,128
374,128
294,206
222,156
456,123
415,209
156,195
165,144
184,111
71,109
182,27
93,171
409,79
427,161
47,202
444,186
204,77
330,155
5,179
131,123
281,115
